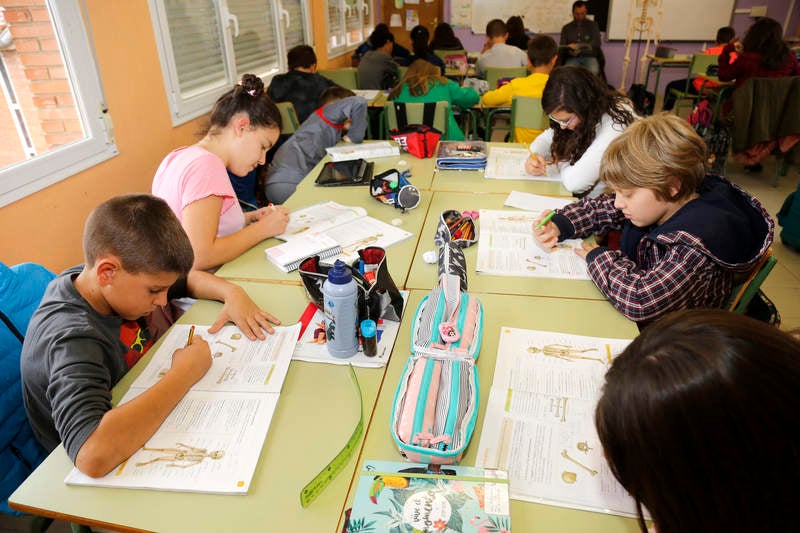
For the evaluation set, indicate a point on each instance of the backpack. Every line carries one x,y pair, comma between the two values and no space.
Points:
789,218
718,144
643,100
701,115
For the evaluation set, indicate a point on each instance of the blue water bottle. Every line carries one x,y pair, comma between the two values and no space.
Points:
341,311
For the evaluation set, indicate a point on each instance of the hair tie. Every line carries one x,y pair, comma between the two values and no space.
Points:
251,92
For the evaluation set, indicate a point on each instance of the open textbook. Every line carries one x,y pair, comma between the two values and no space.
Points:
506,247
212,439
332,231
366,150
539,422
508,163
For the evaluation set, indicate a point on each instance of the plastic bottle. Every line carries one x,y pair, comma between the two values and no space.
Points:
369,337
341,313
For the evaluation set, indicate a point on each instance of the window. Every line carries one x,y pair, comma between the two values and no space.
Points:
53,118
206,45
349,24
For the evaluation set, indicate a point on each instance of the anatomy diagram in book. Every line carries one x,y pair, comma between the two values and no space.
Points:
565,352
570,477
182,455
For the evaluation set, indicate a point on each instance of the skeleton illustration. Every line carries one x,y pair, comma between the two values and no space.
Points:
182,455
584,447
566,456
562,351
232,347
641,25
569,477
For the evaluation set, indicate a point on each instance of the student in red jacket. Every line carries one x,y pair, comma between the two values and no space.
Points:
763,53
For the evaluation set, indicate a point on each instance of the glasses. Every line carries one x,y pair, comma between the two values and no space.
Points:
562,123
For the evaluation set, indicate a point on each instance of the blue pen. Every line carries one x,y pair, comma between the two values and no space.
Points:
361,266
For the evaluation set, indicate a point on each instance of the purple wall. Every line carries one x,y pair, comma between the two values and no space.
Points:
615,50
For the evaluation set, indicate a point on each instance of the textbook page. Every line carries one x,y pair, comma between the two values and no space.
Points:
318,217
239,364
209,443
539,422
367,150
357,234
506,247
536,202
507,163
212,439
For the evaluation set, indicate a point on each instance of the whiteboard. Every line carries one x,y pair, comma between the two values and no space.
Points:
540,16
682,20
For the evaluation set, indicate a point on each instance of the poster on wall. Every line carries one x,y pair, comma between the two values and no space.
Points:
412,19
461,13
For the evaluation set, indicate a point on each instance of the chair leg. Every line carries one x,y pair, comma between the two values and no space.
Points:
39,524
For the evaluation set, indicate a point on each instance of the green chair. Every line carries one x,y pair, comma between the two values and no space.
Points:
346,77
526,112
698,66
745,290
289,120
403,71
414,115
495,73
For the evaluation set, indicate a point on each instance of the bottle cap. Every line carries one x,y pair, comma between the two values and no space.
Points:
368,328
340,274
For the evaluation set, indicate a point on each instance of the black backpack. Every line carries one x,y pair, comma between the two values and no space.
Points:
643,100
789,218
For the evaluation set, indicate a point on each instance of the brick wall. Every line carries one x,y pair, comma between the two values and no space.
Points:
39,78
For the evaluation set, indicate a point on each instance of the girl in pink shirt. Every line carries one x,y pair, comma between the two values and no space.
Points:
244,124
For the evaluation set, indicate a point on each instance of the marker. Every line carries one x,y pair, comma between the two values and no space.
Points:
545,220
191,336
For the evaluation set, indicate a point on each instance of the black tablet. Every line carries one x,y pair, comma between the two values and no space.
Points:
356,172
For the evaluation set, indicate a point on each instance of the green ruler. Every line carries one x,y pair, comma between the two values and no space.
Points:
323,479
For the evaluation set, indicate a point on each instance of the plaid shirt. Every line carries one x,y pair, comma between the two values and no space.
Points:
671,269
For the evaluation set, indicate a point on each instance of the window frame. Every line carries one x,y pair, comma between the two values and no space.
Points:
366,25
31,175
186,108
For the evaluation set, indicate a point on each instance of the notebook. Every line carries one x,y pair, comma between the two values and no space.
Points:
289,255
367,150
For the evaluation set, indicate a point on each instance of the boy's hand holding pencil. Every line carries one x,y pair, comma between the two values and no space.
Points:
545,232
194,359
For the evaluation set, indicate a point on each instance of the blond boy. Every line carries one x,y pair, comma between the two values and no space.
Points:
684,233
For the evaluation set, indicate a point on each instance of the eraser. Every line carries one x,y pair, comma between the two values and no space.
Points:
430,256
402,162
397,222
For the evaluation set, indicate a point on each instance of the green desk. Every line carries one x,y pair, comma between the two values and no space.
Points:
254,266
657,64
424,275
474,181
316,414
569,316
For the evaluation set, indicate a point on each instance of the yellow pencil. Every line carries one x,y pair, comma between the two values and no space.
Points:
191,335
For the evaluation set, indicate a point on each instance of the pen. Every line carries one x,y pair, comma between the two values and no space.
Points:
191,336
545,220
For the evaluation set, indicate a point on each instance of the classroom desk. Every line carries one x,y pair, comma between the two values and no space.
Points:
569,316
424,275
657,64
316,413
253,265
474,181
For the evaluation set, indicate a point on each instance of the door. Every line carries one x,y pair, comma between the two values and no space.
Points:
427,13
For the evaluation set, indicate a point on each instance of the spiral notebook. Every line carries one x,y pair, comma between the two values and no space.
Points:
289,255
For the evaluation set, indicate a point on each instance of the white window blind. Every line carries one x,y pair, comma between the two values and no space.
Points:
206,45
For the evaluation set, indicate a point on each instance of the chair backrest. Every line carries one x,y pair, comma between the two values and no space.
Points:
701,62
346,77
403,71
21,290
495,73
289,120
414,114
444,53
526,112
744,291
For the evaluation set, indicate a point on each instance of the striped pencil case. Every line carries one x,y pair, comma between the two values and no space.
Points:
436,401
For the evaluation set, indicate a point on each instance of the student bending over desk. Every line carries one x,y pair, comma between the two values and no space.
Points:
90,329
684,234
244,124
695,422
585,116
341,115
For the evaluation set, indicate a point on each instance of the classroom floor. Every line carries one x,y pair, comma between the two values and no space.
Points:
782,286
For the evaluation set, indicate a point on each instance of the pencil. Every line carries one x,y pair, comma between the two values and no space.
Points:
545,220
191,336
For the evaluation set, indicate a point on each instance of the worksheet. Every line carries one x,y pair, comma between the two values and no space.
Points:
539,422
506,247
